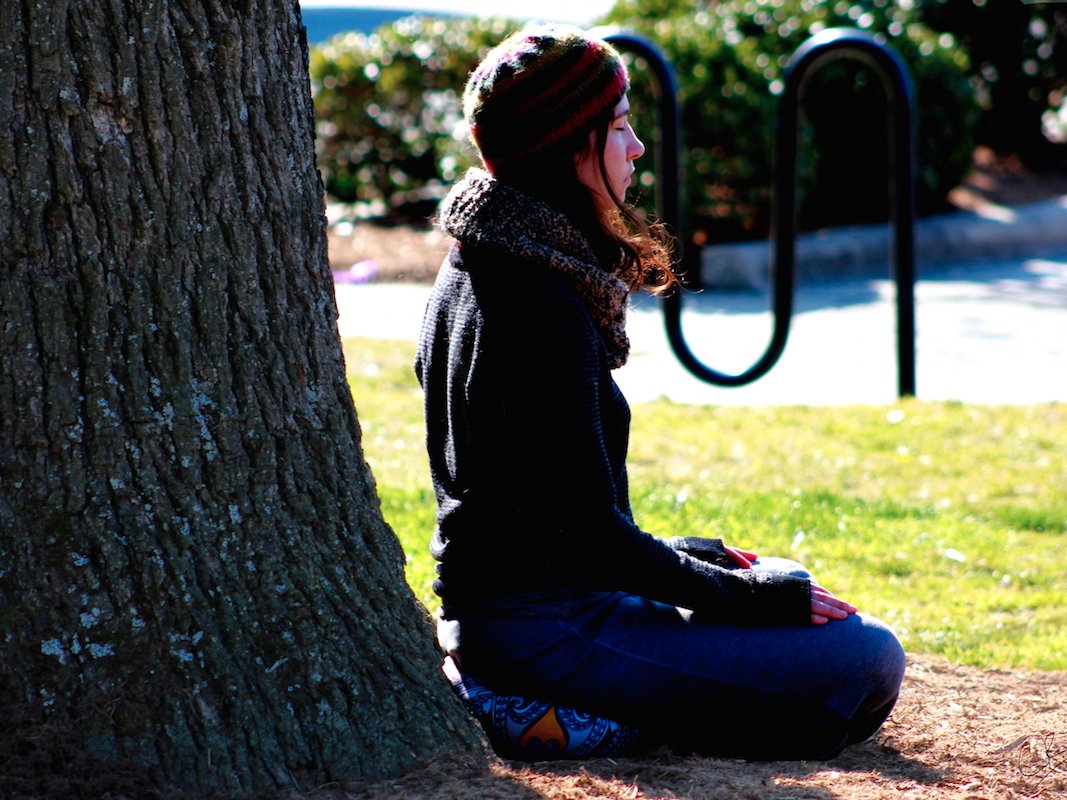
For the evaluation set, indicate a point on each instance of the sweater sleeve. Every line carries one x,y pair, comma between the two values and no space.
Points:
560,427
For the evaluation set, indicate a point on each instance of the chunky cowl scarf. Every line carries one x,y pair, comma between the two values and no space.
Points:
482,211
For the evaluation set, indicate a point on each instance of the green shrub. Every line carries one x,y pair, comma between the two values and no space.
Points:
390,134
729,58
1018,54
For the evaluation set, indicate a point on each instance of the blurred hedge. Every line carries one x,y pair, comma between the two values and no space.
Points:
729,58
1018,53
390,133
391,138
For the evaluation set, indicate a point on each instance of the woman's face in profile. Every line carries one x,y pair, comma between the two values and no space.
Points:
621,148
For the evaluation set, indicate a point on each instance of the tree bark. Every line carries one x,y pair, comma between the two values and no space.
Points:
195,574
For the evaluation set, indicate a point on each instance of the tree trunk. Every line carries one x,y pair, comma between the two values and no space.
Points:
194,571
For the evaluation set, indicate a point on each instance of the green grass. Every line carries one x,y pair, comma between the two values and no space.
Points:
947,520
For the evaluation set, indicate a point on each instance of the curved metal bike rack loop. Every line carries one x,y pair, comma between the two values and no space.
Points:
824,46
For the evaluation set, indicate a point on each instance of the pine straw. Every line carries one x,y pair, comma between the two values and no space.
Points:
958,733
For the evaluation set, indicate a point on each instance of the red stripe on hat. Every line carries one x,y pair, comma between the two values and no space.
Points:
583,65
614,91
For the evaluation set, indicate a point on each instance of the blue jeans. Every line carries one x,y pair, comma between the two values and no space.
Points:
713,689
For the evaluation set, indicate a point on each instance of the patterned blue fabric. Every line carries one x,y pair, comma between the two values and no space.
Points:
532,730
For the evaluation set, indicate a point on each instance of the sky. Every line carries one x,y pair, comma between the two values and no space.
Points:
579,12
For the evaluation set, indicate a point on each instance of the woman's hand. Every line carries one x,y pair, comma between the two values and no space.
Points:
825,607
742,558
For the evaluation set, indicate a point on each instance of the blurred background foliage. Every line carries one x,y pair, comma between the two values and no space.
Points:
391,138
1018,53
729,58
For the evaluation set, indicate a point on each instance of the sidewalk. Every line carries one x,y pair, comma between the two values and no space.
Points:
991,323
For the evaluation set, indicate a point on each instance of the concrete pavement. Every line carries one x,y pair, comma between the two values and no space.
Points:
991,320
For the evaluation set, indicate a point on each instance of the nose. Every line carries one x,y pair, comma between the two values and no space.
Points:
636,148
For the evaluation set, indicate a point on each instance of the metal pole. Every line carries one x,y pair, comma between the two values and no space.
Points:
900,94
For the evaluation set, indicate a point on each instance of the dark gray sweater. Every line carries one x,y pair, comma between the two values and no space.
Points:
527,435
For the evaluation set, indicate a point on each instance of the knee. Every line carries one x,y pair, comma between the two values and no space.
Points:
885,653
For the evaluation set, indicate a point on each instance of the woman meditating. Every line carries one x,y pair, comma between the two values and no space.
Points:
570,630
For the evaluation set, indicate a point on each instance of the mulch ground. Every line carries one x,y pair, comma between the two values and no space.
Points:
958,733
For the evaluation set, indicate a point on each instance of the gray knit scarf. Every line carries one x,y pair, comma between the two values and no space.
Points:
481,210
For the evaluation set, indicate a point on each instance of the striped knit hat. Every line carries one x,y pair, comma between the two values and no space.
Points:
539,87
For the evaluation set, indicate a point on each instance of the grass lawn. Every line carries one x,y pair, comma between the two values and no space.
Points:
947,520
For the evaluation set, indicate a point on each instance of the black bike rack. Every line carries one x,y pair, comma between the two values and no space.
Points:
822,47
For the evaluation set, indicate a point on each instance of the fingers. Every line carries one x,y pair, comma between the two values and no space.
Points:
742,558
825,607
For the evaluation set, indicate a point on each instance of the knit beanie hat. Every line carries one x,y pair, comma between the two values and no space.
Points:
539,87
